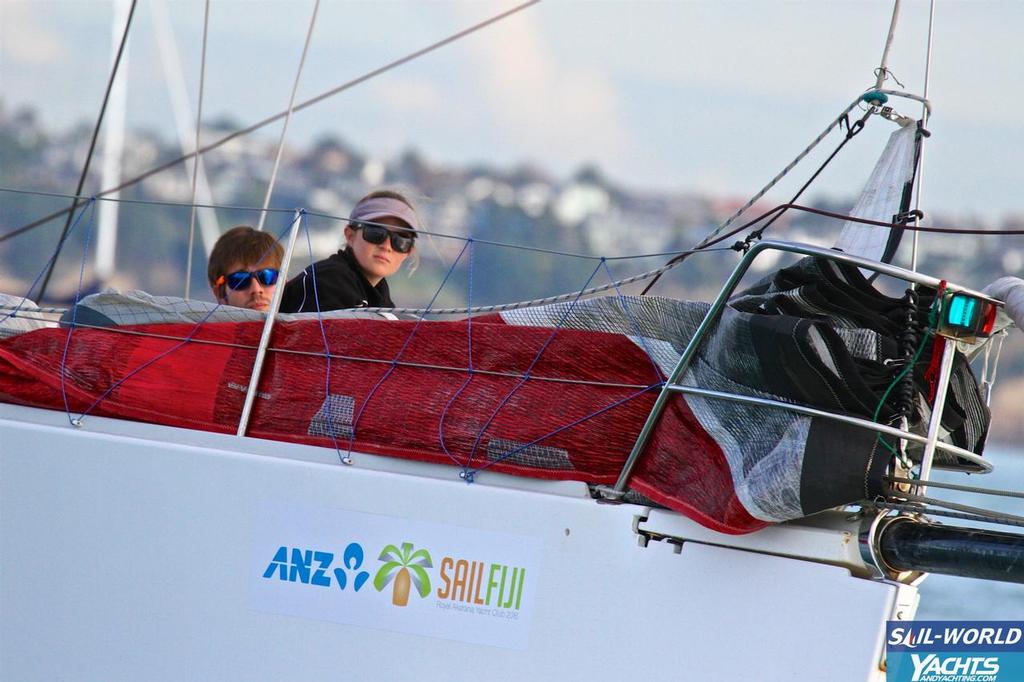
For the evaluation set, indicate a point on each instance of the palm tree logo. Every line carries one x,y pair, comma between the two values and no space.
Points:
403,566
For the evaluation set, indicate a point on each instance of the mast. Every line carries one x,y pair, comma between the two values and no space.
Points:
113,148
181,107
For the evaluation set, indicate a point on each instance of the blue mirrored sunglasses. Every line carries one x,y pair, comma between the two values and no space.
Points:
238,281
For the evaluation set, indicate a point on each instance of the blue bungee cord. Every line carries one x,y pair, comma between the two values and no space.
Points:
468,470
633,322
408,340
469,368
74,310
328,412
565,427
14,312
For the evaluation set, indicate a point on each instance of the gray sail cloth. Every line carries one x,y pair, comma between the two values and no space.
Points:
112,308
816,334
19,315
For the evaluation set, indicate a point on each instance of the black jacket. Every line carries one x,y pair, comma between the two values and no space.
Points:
339,284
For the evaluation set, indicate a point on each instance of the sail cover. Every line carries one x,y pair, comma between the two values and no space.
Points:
557,391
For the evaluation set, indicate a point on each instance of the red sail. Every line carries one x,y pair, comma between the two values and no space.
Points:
408,391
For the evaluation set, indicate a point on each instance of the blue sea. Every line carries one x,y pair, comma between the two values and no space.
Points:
949,598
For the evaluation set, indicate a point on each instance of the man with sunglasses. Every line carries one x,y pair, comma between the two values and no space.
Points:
244,267
380,235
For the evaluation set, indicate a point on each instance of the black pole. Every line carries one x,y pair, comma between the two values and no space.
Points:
907,545
88,157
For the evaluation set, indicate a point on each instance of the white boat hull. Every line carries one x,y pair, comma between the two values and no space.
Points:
134,551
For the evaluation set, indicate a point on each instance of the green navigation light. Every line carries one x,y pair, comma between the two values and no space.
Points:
962,311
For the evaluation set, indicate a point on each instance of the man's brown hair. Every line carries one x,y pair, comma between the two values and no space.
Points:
242,244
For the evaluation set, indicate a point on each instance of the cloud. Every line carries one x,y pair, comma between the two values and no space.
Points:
24,36
404,95
550,108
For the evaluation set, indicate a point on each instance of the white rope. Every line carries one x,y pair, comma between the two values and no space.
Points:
988,381
195,158
288,117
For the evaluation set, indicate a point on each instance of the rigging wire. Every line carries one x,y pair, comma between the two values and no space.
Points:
288,117
195,158
956,506
271,119
468,474
882,223
329,216
925,112
851,132
441,235
994,518
712,237
82,198
70,212
955,486
628,280
800,157
16,308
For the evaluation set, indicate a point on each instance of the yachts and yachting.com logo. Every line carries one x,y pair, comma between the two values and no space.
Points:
469,585
952,651
936,668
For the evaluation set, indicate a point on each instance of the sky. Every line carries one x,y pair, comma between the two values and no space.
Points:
680,96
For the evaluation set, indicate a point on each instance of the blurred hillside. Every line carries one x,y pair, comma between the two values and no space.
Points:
516,207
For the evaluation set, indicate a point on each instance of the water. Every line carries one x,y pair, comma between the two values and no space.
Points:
948,598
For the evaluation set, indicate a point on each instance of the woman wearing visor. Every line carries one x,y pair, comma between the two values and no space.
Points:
379,237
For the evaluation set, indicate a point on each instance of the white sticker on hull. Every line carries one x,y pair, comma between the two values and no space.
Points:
395,574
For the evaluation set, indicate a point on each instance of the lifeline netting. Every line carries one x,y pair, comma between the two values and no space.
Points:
816,334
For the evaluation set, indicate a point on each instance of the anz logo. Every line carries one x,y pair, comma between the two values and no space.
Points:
315,567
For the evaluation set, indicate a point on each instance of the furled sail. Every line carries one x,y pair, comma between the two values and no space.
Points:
882,198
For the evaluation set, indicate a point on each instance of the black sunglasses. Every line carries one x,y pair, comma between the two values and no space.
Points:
239,281
401,242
